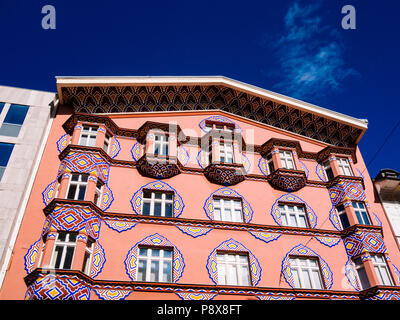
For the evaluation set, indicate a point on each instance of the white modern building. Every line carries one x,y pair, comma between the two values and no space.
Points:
25,118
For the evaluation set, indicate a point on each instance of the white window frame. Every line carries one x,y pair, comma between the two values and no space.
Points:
269,161
162,260
327,166
161,143
233,269
296,213
222,205
163,201
106,145
91,133
226,152
340,213
79,184
361,272
361,208
382,269
344,166
312,270
99,193
64,244
286,158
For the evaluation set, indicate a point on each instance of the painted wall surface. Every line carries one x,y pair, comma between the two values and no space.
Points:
269,249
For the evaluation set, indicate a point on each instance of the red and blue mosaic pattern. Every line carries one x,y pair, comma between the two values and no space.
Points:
265,236
178,264
120,225
73,218
52,287
195,296
183,155
345,190
98,260
49,192
31,256
115,148
107,198
90,163
63,142
302,250
364,241
276,214
158,185
208,207
328,240
386,295
277,297
112,294
202,123
194,231
136,151
234,246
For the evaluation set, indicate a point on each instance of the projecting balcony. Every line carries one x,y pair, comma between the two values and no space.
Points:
158,167
287,179
226,174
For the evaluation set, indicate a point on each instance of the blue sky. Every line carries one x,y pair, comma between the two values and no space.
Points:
294,47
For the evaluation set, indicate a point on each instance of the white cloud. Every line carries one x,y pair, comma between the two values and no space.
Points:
310,54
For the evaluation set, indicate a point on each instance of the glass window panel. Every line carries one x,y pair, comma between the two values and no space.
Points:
157,209
75,177
146,208
154,270
296,278
71,192
362,275
157,195
302,221
1,106
306,279
167,253
146,194
316,279
167,268
142,270
284,219
61,236
168,209
227,215
5,153
142,251
386,279
217,214
245,279
72,237
169,196
58,252
82,190
84,177
68,258
16,114
84,138
155,252
10,130
232,275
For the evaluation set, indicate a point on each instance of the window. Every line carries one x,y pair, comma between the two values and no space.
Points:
77,187
361,273
63,253
294,216
344,166
155,265
106,143
88,257
233,269
287,161
5,153
13,121
270,163
361,213
225,152
98,193
161,145
88,136
381,269
228,210
157,203
344,220
306,273
328,170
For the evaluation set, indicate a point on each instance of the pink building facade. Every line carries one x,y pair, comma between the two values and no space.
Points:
200,188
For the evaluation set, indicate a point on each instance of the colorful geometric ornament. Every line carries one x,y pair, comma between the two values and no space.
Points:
112,294
195,296
156,239
50,192
136,151
120,225
234,246
328,241
194,231
31,256
98,260
302,250
115,148
208,207
202,123
158,185
364,241
62,143
183,155
107,198
265,236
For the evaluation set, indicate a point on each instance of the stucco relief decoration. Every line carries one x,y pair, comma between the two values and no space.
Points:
90,163
158,240
208,207
158,185
302,250
52,287
291,198
237,247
